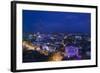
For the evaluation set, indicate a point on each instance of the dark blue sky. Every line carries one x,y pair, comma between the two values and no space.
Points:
64,22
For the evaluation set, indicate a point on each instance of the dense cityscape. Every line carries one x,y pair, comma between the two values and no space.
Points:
43,47
56,36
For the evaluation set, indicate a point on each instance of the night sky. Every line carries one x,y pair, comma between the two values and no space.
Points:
58,22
